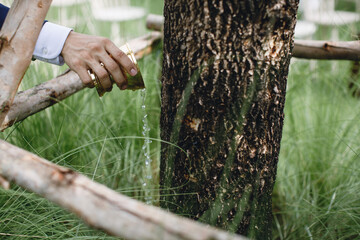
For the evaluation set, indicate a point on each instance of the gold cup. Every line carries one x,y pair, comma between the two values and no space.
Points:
134,82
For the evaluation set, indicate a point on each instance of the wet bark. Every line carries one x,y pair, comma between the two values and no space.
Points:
223,91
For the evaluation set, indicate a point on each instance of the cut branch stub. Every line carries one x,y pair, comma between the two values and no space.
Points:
310,49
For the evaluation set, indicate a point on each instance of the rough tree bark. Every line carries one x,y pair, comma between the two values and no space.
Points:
224,79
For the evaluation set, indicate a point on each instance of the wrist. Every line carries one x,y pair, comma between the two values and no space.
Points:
50,43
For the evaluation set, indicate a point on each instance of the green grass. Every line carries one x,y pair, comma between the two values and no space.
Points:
100,138
317,191
318,183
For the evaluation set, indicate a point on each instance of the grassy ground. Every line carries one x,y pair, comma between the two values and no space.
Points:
100,138
317,189
318,183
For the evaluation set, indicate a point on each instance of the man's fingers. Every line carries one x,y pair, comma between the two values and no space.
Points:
121,58
83,52
103,75
114,69
85,77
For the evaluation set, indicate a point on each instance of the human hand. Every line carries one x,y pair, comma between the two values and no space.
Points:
85,52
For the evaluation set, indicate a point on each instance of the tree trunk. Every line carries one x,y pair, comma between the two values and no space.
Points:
223,91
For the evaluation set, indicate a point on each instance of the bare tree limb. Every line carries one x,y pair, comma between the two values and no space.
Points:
17,42
327,50
48,93
155,22
97,205
308,49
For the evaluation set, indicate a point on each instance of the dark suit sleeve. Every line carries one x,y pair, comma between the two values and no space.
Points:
3,12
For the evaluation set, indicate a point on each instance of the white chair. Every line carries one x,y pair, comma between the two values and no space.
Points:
118,13
67,12
323,13
304,29
67,3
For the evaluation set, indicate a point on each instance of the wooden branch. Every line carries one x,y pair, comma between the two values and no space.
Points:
97,205
17,42
308,49
327,50
155,22
46,94
33,100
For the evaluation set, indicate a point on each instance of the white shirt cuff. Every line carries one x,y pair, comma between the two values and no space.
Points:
50,43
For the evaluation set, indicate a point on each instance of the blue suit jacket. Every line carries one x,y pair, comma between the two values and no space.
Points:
3,12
